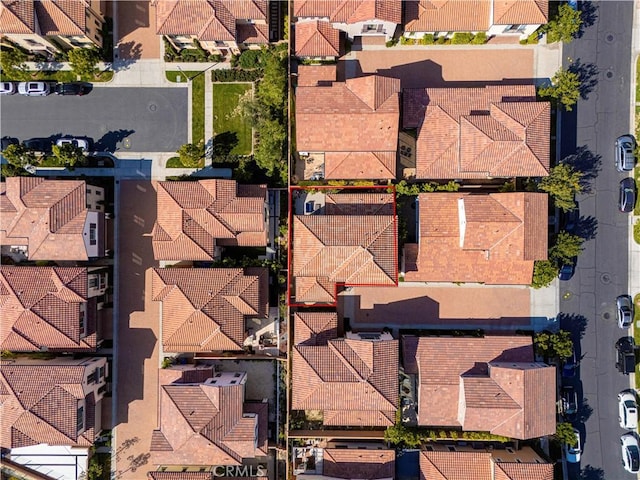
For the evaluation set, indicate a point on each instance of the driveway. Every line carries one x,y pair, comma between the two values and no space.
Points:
136,30
490,308
118,119
137,332
439,68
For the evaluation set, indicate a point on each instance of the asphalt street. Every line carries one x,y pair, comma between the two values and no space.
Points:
117,119
603,57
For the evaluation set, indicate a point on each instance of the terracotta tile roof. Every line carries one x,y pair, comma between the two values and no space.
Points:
344,247
205,424
49,216
495,386
455,465
447,15
360,165
315,328
363,115
350,11
211,20
493,239
257,33
317,39
17,16
40,308
363,464
520,12
495,131
194,217
61,17
314,75
40,404
204,309
524,471
330,373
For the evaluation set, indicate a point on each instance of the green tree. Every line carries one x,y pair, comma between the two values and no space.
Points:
564,433
19,155
400,435
405,189
268,154
191,154
13,63
544,272
553,345
84,61
69,154
563,183
565,26
271,90
564,88
567,247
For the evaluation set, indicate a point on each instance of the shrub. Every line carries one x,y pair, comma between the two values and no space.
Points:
442,40
462,38
236,75
391,43
479,38
427,39
250,59
407,41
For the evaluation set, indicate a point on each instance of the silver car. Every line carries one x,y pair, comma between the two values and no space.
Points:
34,89
625,153
627,410
624,311
7,88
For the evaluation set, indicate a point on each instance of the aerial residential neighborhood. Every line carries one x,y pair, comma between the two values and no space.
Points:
319,239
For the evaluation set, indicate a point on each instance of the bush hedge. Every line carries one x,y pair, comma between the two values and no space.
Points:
236,75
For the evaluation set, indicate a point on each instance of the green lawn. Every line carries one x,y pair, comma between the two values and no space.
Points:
226,118
638,80
173,75
197,109
63,76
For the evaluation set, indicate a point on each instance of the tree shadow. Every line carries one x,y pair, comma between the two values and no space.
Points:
128,54
584,411
587,74
223,143
109,141
587,228
587,163
576,324
589,15
591,473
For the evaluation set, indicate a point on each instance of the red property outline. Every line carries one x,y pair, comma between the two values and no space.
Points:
337,285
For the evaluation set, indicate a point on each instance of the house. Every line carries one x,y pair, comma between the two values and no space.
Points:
464,462
207,309
316,75
350,239
504,18
352,124
205,420
357,18
51,219
53,402
352,380
317,40
488,238
490,384
340,460
49,26
223,27
196,219
51,308
478,133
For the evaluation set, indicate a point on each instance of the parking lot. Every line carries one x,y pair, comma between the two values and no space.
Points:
117,119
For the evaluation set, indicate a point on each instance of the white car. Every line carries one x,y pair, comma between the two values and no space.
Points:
77,142
630,453
7,88
573,453
628,410
34,89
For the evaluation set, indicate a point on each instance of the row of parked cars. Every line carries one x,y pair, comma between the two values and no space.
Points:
43,145
41,89
625,160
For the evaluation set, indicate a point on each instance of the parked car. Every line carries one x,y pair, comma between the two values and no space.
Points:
626,355
566,271
630,453
38,145
625,153
569,402
7,88
571,219
572,453
34,89
624,311
6,141
627,199
84,143
570,366
627,410
73,88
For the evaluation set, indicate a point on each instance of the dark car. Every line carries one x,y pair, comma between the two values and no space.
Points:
626,355
74,88
571,219
570,366
6,141
569,402
627,199
41,145
566,271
